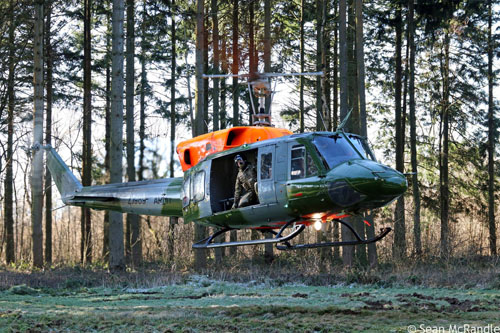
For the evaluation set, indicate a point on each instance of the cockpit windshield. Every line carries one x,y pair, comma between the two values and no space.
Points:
335,149
363,147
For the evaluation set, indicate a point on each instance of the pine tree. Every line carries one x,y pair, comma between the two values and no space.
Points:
399,247
48,131
8,196
133,238
413,131
491,138
37,163
199,231
116,255
86,230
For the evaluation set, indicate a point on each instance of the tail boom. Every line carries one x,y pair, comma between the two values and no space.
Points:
160,197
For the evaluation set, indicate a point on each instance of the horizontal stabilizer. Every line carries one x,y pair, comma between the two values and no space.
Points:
66,182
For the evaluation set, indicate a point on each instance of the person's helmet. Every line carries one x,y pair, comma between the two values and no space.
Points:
238,158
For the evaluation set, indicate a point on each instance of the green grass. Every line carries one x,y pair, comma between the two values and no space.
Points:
200,304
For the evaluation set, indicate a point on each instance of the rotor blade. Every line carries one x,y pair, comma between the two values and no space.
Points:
291,74
223,76
260,75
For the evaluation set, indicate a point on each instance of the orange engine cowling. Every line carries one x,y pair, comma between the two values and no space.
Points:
192,151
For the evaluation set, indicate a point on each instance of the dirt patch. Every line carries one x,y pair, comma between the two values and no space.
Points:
455,305
378,305
364,294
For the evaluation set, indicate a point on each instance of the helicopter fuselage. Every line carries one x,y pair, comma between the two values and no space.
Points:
300,177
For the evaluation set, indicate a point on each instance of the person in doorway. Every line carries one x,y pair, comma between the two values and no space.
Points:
244,189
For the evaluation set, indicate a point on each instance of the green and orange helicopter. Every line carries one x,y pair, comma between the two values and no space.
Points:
302,180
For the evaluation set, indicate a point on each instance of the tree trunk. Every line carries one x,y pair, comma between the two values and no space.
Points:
335,71
215,94
235,92
172,90
105,244
353,102
85,245
325,60
223,88
235,65
215,41
134,242
443,165
48,135
491,140
371,256
347,251
352,73
413,131
199,230
190,98
399,247
360,61
343,58
206,96
320,93
144,83
8,203
302,67
268,248
319,65
116,257
252,58
37,163
267,46
335,227
171,238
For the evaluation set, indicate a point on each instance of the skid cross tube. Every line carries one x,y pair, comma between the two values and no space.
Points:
207,242
358,241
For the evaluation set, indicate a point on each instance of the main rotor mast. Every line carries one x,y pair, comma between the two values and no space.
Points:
259,85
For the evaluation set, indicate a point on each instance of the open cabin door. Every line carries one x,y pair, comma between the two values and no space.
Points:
265,174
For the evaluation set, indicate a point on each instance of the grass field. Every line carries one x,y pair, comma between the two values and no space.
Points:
197,303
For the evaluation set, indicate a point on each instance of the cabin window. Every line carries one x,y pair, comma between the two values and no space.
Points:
186,191
266,166
302,164
199,186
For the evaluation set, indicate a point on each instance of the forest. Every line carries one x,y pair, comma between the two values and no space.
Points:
114,86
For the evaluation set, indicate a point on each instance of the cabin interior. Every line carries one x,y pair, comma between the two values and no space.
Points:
223,179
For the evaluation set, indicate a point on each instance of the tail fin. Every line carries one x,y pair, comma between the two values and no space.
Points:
65,180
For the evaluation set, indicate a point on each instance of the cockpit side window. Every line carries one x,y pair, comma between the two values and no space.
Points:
186,191
302,164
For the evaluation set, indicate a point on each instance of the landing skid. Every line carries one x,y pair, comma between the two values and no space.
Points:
207,243
358,241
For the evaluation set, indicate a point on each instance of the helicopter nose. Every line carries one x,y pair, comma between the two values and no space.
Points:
378,179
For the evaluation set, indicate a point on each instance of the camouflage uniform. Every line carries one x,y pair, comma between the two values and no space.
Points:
245,181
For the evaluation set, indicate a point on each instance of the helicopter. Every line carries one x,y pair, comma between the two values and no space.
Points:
302,180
